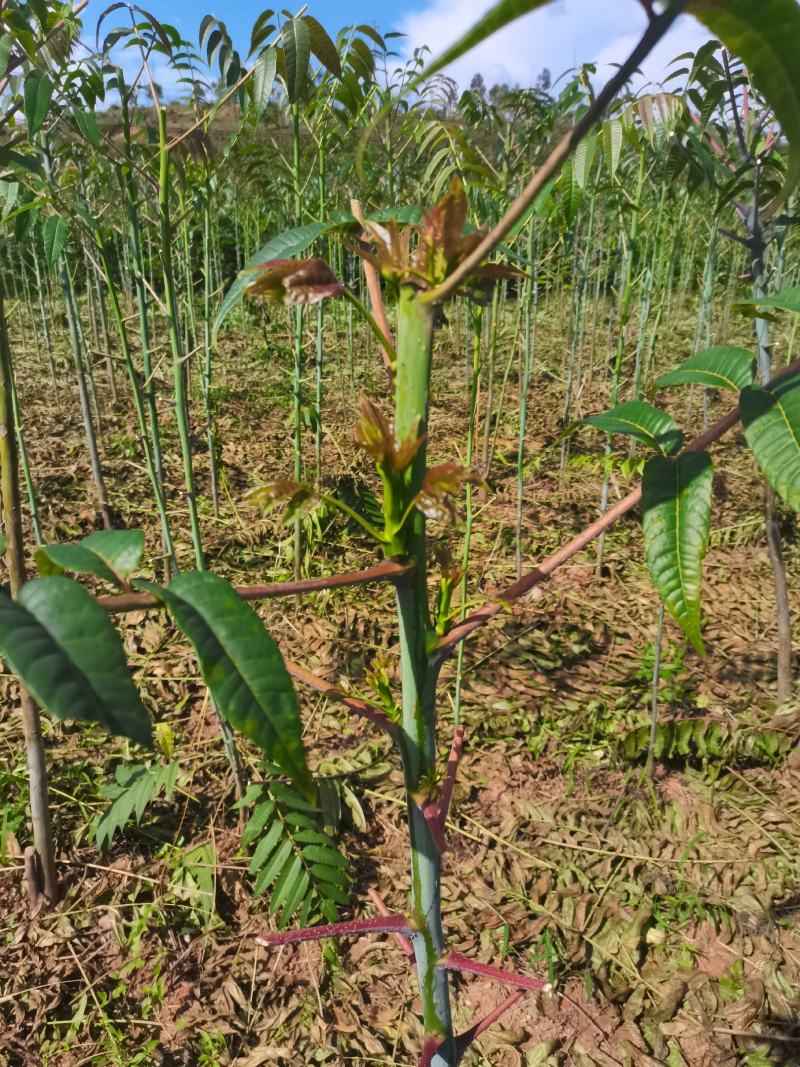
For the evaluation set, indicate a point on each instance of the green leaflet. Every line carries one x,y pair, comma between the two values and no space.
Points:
766,35
495,19
296,53
37,94
721,367
322,46
54,236
87,124
647,424
135,786
6,44
108,554
771,418
676,503
241,665
788,300
61,645
263,79
612,144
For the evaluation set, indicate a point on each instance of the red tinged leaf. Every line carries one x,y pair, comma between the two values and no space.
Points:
294,281
297,497
442,245
440,484
375,434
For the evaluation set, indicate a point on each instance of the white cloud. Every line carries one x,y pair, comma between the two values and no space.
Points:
558,37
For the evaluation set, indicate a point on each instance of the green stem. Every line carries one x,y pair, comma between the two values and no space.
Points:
173,325
476,316
43,841
419,672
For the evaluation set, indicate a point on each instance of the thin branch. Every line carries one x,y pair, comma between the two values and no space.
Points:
355,704
403,941
456,961
381,924
543,571
463,1041
385,571
563,150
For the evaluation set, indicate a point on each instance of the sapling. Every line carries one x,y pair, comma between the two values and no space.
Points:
442,263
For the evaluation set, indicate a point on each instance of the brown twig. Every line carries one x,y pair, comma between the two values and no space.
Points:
386,571
383,924
543,571
402,940
656,29
374,290
355,704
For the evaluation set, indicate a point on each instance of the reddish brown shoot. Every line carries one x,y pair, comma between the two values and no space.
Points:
381,924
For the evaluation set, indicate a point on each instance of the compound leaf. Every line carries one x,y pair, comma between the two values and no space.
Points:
766,36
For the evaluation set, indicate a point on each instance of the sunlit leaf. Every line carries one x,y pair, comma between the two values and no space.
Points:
37,93
61,645
296,52
676,519
108,554
771,419
721,367
788,300
54,236
263,80
642,421
241,665
498,16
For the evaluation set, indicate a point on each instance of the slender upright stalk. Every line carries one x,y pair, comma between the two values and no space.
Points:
211,437
651,745
139,408
173,325
531,299
83,394
474,379
15,560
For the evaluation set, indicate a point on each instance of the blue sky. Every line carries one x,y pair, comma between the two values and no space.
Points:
558,36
